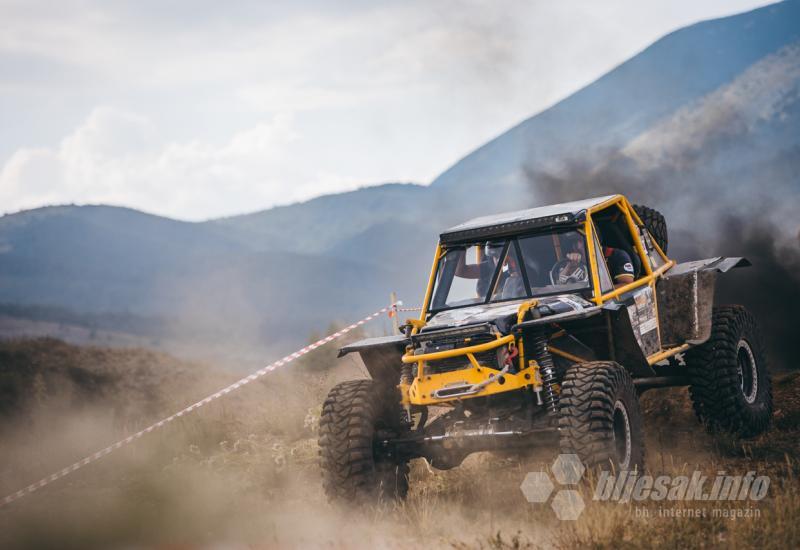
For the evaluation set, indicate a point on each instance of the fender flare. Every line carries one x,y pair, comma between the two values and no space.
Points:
686,299
381,356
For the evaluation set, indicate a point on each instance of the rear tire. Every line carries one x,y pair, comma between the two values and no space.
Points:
599,417
655,223
355,416
730,384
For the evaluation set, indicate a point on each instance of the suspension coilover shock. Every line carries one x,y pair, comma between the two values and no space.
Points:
406,373
407,378
537,344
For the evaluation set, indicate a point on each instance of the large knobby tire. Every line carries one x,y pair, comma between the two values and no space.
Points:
730,384
655,223
599,417
355,416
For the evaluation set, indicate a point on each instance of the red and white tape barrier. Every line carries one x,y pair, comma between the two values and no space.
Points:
235,386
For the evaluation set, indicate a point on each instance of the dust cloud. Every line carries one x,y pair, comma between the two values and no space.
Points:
242,470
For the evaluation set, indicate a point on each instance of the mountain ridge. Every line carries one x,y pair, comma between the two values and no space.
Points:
278,274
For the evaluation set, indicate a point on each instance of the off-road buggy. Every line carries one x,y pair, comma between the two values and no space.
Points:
509,353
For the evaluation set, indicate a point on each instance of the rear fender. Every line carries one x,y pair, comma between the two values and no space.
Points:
686,298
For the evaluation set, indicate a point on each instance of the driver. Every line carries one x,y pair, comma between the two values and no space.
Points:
619,262
574,271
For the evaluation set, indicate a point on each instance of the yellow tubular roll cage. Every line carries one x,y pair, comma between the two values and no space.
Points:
421,391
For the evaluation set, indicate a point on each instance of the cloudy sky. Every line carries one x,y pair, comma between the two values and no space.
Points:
203,108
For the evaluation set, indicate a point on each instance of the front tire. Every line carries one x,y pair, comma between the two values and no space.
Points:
730,385
355,416
599,417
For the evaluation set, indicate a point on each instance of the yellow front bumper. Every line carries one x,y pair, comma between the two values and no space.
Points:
433,389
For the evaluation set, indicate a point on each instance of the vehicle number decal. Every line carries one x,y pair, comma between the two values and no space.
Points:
643,320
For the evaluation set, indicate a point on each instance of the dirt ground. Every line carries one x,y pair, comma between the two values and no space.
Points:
242,472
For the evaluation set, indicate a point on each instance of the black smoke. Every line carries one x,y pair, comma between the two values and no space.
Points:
707,217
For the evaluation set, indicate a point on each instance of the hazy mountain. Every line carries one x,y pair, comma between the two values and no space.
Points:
204,285
99,257
319,224
704,124
673,73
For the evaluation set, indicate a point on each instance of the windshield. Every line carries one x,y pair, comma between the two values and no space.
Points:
511,269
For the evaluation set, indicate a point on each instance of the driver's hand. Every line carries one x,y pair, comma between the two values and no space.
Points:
572,276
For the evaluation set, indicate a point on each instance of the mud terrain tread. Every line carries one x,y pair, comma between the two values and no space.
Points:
655,222
350,472
586,406
712,367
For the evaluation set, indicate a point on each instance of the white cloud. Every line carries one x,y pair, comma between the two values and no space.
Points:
219,108
119,158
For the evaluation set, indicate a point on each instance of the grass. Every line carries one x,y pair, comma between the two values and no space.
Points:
244,470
